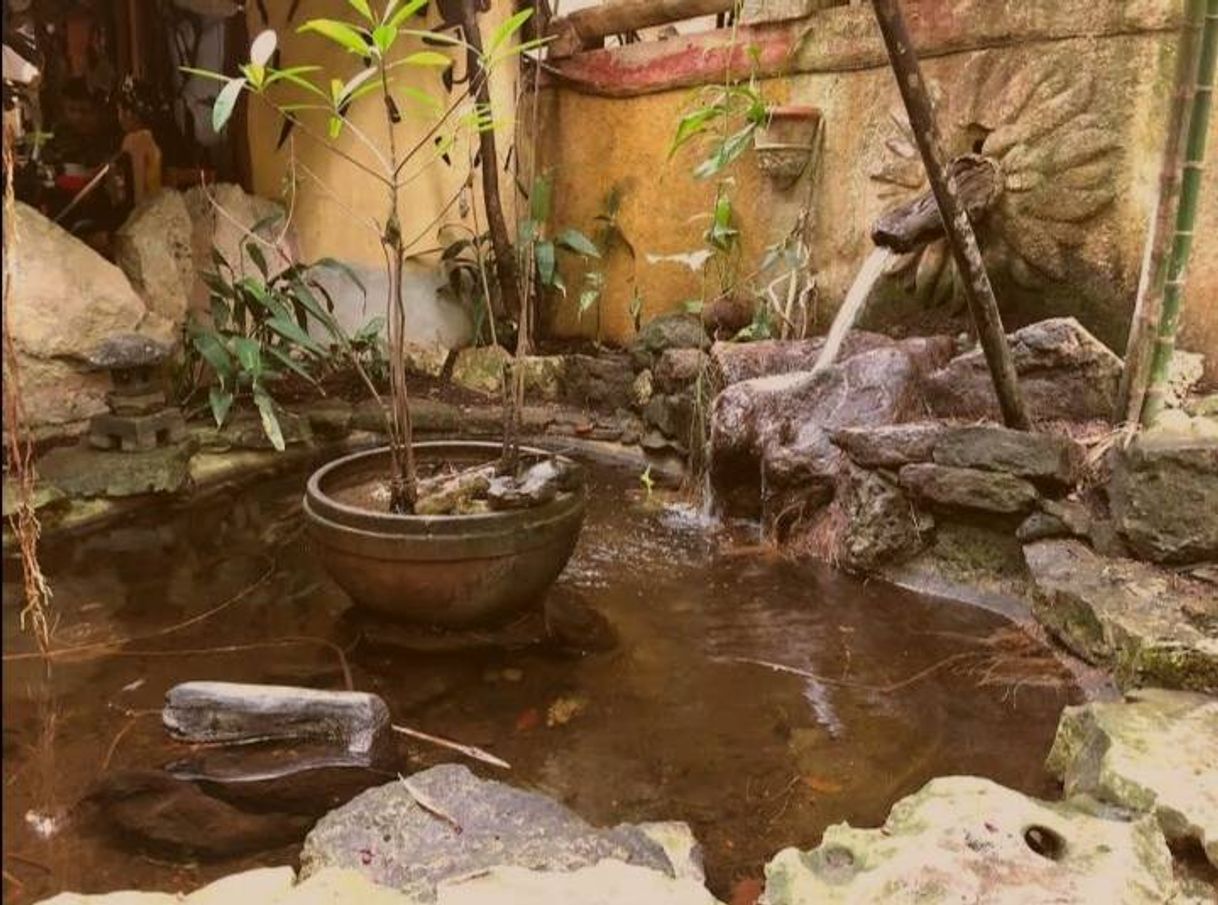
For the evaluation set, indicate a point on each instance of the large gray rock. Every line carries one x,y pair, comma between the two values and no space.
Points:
881,525
732,362
65,301
969,488
677,370
890,445
603,381
1155,752
404,834
668,331
1164,496
1064,372
965,839
1046,460
773,432
153,248
1150,626
82,471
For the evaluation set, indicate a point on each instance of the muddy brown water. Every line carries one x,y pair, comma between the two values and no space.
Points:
676,723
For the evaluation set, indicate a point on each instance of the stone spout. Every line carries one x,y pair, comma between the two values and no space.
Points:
917,223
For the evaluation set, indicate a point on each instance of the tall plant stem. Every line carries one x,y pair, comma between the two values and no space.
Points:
1186,217
1140,346
977,288
403,483
505,261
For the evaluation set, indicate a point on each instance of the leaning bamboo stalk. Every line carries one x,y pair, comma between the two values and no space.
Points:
1186,217
1140,346
976,281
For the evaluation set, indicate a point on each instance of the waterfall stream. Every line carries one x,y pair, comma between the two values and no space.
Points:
852,308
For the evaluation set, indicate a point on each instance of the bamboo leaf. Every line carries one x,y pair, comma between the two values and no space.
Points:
506,29
291,331
395,19
249,355
204,73
344,269
353,84
291,364
383,37
215,354
226,100
353,39
270,421
427,58
361,7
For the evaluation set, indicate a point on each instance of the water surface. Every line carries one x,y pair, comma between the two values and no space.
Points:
679,722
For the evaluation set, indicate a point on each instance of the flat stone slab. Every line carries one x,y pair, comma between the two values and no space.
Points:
1155,752
1044,459
1151,626
890,445
236,713
966,839
969,488
81,471
444,823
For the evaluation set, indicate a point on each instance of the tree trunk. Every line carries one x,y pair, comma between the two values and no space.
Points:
1186,216
977,288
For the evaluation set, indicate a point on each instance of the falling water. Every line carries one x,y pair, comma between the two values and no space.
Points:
856,299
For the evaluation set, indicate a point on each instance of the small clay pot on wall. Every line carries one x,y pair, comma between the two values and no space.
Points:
786,144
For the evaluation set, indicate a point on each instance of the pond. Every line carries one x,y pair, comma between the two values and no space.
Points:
686,719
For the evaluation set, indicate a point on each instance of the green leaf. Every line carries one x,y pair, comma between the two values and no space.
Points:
215,354
370,330
226,100
395,19
726,153
256,255
361,7
270,421
506,29
340,33
543,253
249,354
334,127
296,76
262,48
693,124
383,37
344,269
291,363
291,331
428,58
539,199
204,73
221,400
307,300
574,240
352,85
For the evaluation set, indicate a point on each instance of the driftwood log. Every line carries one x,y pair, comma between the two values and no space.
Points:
538,485
918,222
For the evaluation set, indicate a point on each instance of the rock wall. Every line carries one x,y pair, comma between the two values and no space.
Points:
1069,97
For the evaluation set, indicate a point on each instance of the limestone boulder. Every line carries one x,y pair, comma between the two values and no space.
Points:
405,834
153,248
966,839
481,369
604,381
65,301
1164,495
81,471
1152,753
1049,461
677,370
732,362
969,488
1065,373
1151,626
774,432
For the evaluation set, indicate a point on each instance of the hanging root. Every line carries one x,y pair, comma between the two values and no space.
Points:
19,446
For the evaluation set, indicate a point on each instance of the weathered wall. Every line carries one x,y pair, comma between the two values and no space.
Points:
336,198
1070,96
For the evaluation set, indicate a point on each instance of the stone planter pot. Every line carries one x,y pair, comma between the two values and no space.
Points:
453,571
787,142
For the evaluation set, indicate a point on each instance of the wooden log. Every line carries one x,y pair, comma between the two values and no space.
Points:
236,713
918,222
977,288
448,496
588,27
537,486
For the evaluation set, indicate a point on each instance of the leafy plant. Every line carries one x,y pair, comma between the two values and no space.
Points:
729,115
534,240
373,41
264,326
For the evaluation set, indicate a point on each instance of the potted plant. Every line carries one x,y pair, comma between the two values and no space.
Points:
444,533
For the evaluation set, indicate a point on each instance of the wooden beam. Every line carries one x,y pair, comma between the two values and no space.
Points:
976,281
589,27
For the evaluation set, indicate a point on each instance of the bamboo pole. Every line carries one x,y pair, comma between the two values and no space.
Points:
977,288
1186,217
1140,345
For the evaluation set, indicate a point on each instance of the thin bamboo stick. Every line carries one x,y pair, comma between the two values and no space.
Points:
976,281
1149,305
1186,217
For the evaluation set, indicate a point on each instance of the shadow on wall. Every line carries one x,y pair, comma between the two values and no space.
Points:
430,317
